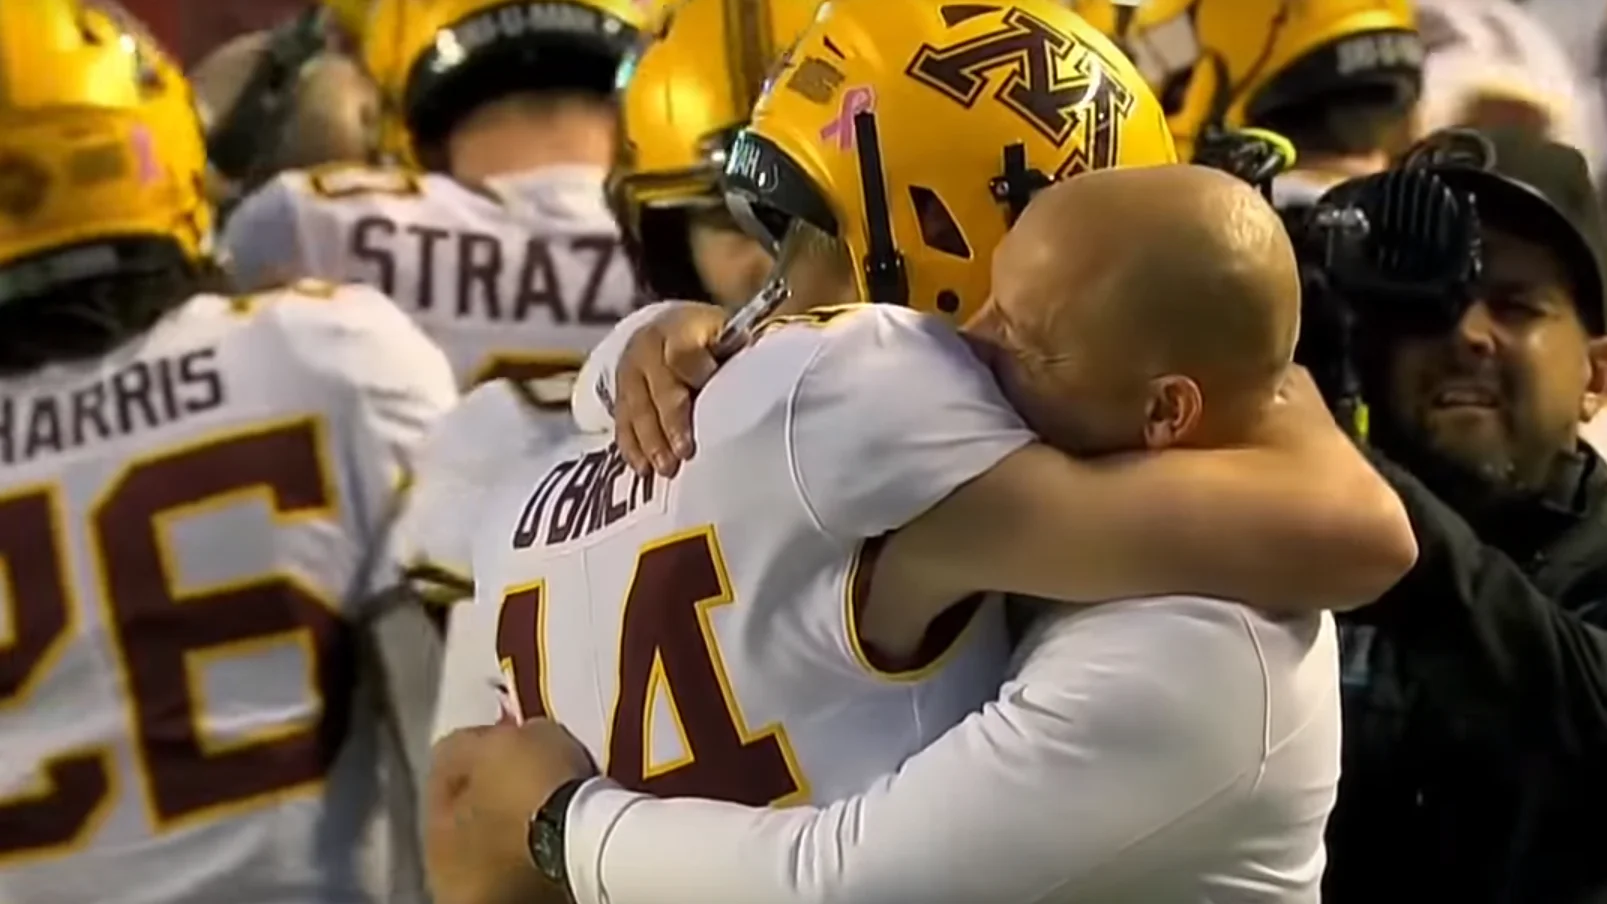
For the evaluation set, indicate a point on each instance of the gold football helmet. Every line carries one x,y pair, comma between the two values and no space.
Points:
1231,63
915,131
100,143
436,61
377,32
350,15
683,96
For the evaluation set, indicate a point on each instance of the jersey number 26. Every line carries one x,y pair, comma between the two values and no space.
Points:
161,634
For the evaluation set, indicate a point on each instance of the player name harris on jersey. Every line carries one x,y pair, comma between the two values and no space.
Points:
518,278
700,634
139,397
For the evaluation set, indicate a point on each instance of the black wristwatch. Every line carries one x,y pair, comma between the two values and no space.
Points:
545,836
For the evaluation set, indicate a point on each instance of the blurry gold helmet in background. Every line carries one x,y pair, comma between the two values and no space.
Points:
683,97
375,29
436,61
270,105
350,15
99,142
1237,63
914,131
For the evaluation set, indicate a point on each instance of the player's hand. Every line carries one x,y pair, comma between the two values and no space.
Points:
663,365
484,785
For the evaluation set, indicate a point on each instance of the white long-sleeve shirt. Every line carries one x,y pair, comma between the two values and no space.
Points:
1166,750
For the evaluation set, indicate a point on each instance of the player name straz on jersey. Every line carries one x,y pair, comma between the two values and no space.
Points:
144,395
482,263
583,495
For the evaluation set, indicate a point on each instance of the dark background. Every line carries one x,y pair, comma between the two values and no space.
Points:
190,28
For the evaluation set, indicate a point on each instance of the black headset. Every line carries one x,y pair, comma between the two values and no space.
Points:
238,145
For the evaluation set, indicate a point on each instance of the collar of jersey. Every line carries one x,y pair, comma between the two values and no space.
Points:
574,187
547,178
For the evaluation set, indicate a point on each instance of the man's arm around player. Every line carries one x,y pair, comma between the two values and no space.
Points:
1096,765
1246,523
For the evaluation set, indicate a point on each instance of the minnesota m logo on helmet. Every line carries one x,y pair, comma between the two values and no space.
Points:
1034,59
957,113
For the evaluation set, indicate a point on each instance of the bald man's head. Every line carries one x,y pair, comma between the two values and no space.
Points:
335,112
1165,299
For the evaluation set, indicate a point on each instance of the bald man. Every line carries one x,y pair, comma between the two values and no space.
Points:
334,117
864,475
1153,309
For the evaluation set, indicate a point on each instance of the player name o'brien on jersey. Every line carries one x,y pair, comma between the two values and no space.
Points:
144,395
581,496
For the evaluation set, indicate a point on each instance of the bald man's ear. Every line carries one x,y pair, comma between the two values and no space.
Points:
1172,411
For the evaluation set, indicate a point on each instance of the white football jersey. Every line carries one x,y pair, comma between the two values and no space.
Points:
698,634
1581,29
1493,58
519,278
185,526
497,425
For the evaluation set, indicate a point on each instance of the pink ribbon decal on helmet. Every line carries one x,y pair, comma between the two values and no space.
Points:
841,129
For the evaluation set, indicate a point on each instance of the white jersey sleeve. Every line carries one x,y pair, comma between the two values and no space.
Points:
262,241
402,379
403,384
1142,753
496,425
913,444
593,400
1494,56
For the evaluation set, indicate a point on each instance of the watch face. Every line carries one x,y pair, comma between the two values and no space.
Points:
550,853
547,849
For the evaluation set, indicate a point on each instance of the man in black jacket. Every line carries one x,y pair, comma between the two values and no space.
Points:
1475,764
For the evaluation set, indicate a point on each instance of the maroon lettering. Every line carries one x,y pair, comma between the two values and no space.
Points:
479,271
672,584
538,284
369,244
156,632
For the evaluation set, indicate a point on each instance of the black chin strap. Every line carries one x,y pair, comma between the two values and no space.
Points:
884,266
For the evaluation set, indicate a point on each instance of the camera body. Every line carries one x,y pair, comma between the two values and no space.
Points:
1397,252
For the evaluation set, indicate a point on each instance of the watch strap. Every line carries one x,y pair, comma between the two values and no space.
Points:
546,835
